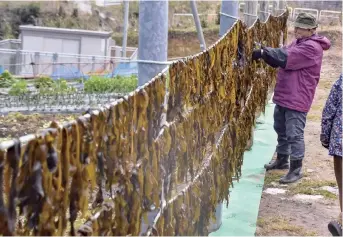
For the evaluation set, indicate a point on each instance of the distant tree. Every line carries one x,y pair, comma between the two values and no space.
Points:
75,13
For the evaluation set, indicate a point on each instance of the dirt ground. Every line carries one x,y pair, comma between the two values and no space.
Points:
305,208
16,125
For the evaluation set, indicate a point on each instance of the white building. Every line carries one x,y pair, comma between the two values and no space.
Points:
60,41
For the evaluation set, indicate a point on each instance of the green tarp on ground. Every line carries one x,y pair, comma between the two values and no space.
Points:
239,219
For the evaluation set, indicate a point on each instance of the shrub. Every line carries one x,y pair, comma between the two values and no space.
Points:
33,9
43,82
24,15
116,85
61,12
6,79
75,13
7,31
57,87
61,86
19,88
204,23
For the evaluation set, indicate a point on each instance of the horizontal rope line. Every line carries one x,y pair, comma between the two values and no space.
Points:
248,14
227,15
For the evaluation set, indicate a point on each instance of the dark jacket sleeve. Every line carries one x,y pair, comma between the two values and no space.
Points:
329,111
275,57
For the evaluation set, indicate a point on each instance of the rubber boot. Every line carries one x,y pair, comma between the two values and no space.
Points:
280,163
335,228
294,173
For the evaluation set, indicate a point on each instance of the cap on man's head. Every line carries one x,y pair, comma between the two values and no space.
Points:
305,21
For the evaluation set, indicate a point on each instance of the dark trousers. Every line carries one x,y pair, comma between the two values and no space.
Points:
289,126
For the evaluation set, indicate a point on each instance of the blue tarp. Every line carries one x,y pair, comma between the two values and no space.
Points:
239,219
125,69
67,72
70,72
1,69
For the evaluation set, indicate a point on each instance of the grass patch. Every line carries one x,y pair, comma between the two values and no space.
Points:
326,84
19,117
311,187
326,194
273,176
317,107
314,117
3,139
279,224
118,84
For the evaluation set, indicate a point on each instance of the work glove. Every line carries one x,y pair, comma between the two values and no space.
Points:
256,54
325,142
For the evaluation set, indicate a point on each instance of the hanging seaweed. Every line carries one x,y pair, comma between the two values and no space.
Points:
170,147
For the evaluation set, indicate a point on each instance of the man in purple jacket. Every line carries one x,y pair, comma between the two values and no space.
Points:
299,70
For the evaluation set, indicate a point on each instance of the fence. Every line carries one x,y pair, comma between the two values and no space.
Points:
32,64
324,17
311,11
156,162
131,52
330,17
10,44
208,18
319,5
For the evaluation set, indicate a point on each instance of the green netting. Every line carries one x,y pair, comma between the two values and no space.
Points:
239,219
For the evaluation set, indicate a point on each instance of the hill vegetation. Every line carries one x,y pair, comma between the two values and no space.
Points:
68,14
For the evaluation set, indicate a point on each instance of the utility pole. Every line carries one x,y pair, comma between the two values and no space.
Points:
250,15
282,6
263,11
228,15
275,4
250,12
198,25
126,26
281,9
153,39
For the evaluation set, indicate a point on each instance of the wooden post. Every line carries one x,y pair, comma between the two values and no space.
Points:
18,67
54,63
36,67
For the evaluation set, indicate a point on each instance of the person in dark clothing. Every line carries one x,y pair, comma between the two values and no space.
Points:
299,65
331,138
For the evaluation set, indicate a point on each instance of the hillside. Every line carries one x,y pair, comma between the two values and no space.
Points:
71,14
183,39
